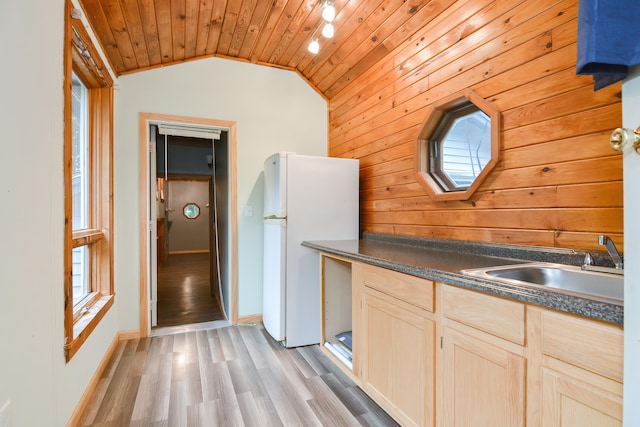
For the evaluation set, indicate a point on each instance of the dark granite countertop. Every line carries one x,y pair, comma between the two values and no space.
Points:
444,260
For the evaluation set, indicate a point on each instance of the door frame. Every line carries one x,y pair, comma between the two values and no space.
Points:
144,121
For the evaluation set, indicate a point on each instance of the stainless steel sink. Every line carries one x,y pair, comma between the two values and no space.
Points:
564,278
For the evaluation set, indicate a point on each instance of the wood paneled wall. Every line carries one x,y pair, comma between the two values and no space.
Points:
558,183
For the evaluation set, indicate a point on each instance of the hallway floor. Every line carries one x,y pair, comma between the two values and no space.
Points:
184,296
230,376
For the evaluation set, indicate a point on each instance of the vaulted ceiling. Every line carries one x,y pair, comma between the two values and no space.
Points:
137,35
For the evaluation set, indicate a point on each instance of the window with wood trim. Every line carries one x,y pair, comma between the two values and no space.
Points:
88,177
458,145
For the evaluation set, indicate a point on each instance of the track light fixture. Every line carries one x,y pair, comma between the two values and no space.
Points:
328,30
328,10
328,15
314,46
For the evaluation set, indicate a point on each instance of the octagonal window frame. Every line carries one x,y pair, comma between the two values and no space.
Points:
188,209
444,110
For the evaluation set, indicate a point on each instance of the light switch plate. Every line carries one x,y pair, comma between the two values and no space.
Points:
248,210
5,414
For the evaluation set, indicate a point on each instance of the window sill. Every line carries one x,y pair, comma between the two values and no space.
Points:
86,323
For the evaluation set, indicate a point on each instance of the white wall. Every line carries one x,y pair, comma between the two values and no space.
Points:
275,110
41,388
631,120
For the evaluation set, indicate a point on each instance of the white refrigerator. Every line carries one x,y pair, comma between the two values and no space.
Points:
306,198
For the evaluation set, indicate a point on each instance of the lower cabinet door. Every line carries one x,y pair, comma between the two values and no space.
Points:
483,384
398,360
569,402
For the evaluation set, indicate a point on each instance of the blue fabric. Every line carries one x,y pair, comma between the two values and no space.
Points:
608,39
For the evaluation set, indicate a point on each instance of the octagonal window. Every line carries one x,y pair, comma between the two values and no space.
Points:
460,147
191,210
457,146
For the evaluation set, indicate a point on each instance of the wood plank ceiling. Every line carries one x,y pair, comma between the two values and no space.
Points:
137,35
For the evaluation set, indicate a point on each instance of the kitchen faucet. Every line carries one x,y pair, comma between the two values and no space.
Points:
613,252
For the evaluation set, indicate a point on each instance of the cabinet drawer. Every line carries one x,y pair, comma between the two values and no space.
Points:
591,345
497,316
411,289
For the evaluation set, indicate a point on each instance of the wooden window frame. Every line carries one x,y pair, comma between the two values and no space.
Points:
81,57
422,147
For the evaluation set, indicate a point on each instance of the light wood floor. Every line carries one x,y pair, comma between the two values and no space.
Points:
231,376
184,295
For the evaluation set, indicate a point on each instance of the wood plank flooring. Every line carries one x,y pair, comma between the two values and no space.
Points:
184,296
231,376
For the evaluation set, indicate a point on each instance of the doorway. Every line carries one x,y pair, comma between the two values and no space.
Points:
147,191
189,269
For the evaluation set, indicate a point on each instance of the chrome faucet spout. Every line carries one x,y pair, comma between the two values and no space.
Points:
613,251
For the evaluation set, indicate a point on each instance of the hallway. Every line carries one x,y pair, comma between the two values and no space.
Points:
184,296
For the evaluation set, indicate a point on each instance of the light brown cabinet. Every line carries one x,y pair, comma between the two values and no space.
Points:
577,380
398,358
436,354
570,402
483,378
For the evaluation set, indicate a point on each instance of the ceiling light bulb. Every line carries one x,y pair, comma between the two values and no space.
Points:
314,46
328,12
328,30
